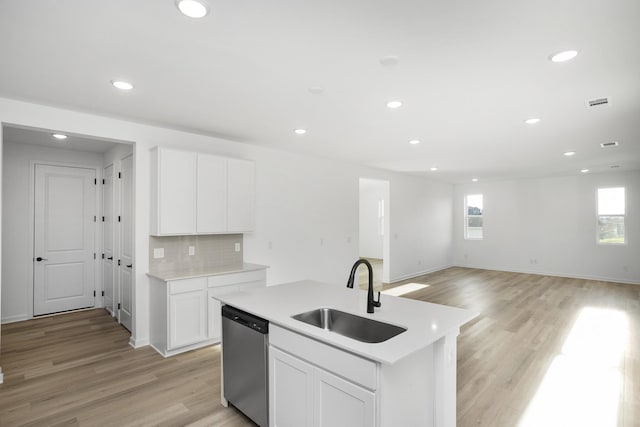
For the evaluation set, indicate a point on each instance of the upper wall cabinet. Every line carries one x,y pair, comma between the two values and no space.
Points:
193,193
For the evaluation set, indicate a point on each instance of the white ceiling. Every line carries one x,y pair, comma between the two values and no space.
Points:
469,72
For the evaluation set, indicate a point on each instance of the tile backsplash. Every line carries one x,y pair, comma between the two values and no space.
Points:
210,252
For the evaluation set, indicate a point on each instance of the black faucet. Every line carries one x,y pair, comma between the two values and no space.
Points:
370,302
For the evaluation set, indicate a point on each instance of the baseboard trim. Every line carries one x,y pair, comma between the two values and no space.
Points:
138,343
552,274
13,319
421,273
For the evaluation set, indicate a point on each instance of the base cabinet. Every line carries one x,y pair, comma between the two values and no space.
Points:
187,318
183,313
304,394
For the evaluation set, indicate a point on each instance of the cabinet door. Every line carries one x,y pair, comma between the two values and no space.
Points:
211,194
176,192
241,195
187,318
290,390
341,403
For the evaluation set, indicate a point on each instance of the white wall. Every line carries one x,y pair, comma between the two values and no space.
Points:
307,208
371,241
17,221
548,226
420,226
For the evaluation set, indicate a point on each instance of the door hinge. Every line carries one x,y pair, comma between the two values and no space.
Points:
102,293
119,175
94,256
102,181
95,218
95,181
118,306
119,218
102,219
118,262
94,293
102,256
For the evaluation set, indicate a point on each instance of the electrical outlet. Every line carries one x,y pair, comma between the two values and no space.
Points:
192,250
270,244
158,253
237,247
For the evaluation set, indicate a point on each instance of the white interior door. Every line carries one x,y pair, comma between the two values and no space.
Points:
125,263
108,239
64,238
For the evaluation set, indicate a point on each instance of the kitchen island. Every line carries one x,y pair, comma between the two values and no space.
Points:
319,377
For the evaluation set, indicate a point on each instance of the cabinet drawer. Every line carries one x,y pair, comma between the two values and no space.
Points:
235,278
354,368
187,285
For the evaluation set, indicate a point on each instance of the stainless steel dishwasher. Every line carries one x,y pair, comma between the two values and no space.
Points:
245,348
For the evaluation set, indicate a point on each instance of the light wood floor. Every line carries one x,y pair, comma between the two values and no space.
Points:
78,369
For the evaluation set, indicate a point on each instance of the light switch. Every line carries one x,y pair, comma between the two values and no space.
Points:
192,250
237,247
158,252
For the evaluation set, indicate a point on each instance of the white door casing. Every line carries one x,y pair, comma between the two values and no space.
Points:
125,267
108,239
64,238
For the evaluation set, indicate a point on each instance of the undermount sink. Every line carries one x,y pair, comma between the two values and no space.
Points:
350,325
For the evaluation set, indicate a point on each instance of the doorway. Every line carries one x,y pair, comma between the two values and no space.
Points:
55,174
374,230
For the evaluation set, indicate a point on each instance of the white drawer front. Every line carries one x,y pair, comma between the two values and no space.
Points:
235,278
354,368
187,285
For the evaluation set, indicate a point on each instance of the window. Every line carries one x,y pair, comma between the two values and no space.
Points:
473,217
611,213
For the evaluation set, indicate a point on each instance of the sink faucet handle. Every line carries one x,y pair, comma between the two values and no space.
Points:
377,303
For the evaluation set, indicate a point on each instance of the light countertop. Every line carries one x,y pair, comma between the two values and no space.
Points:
425,322
190,273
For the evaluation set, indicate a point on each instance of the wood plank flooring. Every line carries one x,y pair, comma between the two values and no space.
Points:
78,369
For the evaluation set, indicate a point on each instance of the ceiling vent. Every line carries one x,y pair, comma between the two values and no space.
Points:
598,102
609,144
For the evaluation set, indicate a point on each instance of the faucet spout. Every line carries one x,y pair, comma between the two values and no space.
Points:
370,301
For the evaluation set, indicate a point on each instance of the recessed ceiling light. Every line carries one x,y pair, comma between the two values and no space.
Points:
614,166
300,131
59,136
316,90
414,141
193,8
569,153
122,85
532,121
389,60
474,179
433,169
567,55
584,170
394,104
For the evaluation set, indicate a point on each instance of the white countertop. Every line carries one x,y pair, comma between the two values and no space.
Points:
425,322
190,273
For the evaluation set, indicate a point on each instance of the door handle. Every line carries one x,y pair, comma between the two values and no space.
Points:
111,258
42,259
129,265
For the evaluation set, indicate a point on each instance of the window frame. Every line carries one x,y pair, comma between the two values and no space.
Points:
467,216
623,216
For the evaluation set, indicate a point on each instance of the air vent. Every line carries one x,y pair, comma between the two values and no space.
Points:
609,144
599,102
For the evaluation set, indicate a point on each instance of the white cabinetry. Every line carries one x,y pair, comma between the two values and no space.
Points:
304,394
195,193
241,195
184,315
212,194
173,192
